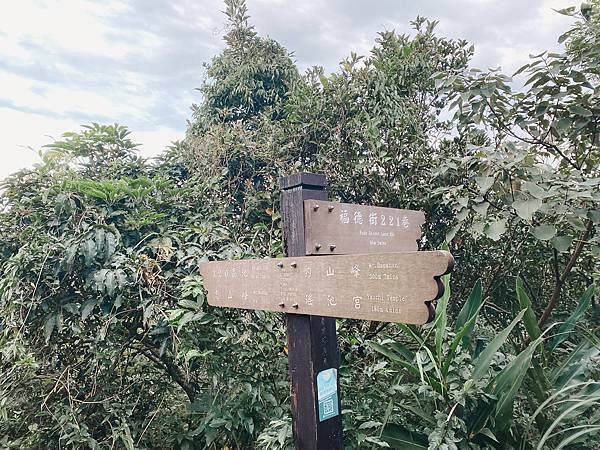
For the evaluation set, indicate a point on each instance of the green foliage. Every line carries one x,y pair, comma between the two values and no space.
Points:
251,76
474,394
106,339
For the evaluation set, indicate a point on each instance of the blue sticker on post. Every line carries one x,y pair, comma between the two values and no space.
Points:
327,394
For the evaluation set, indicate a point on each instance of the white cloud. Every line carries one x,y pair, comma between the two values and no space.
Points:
153,142
136,62
29,132
72,25
64,100
25,135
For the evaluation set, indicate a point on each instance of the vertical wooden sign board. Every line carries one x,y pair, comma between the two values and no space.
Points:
312,340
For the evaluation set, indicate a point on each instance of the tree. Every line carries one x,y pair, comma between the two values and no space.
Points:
531,176
251,76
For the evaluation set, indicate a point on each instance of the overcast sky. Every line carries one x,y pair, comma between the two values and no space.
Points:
64,63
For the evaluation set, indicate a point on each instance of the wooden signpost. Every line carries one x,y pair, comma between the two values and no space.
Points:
373,273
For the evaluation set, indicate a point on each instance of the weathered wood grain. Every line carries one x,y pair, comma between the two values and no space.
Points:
386,287
312,340
343,228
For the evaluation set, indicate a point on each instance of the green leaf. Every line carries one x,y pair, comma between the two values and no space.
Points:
324,80
507,383
571,370
369,424
529,319
576,109
462,214
49,325
482,363
110,283
562,243
566,328
562,125
469,309
484,183
544,232
409,355
87,307
575,437
566,11
89,251
393,356
111,245
100,238
488,433
481,208
452,232
535,190
401,438
526,208
468,327
495,230
441,318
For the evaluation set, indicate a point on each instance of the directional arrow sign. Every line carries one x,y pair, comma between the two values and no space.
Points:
387,287
343,228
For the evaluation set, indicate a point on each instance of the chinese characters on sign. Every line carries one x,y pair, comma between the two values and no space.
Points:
343,228
390,287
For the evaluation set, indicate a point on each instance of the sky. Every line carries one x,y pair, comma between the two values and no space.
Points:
65,63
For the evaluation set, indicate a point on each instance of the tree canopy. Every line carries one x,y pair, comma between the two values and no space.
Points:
106,340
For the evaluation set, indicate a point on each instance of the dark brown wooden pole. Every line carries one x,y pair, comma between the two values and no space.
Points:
312,340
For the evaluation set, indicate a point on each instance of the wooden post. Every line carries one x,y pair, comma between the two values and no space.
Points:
312,340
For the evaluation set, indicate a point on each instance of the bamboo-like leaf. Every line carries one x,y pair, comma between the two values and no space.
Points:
400,437
456,341
408,354
468,311
508,382
484,360
571,370
529,319
566,328
393,356
586,402
409,331
573,437
441,318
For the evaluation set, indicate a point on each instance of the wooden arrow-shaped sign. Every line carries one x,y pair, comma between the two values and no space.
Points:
343,228
387,287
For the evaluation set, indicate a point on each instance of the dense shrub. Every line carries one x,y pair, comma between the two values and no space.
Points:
105,337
